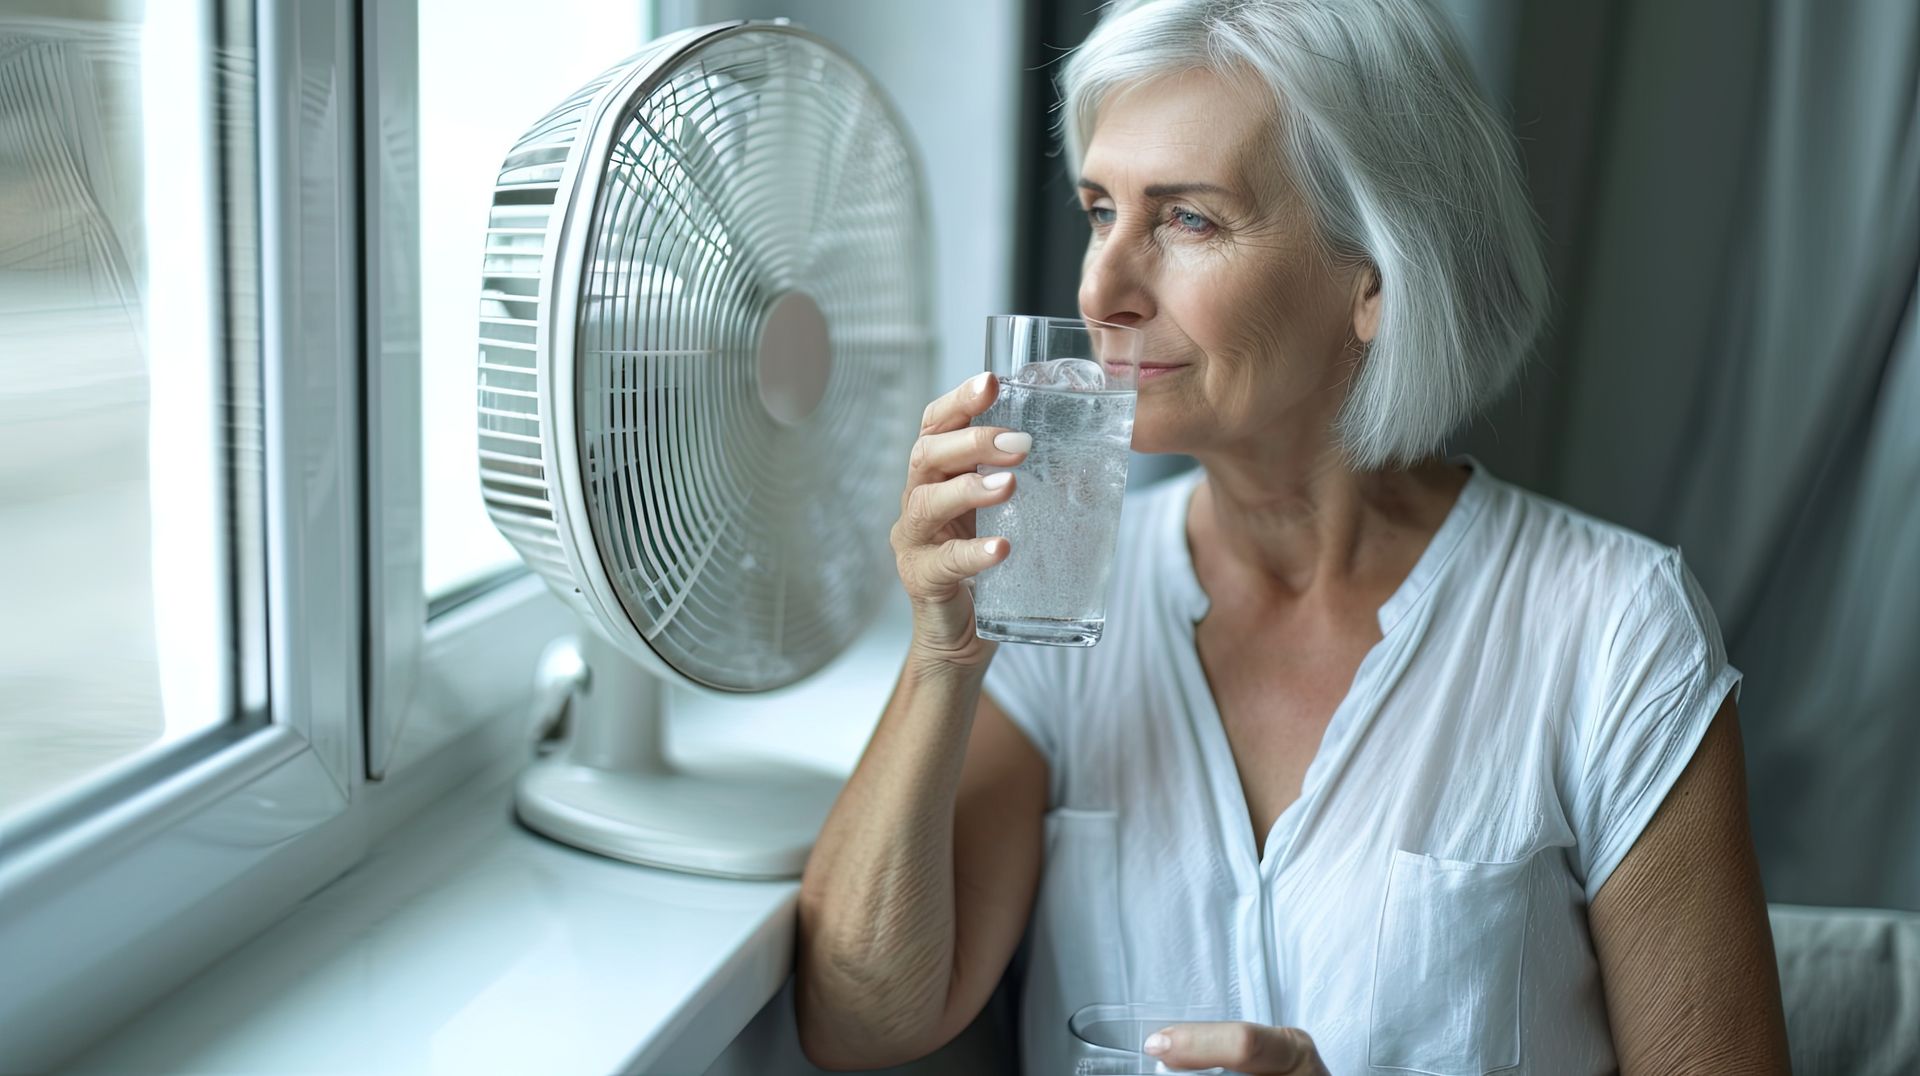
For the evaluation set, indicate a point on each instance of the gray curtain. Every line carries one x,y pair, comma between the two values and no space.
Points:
1732,189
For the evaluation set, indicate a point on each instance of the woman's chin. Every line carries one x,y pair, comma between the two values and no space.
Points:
1157,442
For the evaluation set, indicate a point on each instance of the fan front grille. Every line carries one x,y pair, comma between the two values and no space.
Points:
745,549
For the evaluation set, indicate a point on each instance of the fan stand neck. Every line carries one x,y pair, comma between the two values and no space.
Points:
620,712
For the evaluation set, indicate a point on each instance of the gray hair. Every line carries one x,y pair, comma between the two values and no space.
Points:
1381,127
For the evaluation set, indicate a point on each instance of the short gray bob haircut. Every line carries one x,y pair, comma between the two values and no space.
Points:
1380,126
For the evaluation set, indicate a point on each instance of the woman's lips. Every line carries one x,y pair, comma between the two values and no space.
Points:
1151,370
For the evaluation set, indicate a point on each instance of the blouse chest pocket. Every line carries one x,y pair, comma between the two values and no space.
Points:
1447,967
1078,906
1077,937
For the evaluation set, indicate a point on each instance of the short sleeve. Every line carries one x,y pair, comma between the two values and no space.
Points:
1025,682
1663,676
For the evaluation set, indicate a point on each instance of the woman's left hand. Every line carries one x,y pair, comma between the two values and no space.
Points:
1253,1049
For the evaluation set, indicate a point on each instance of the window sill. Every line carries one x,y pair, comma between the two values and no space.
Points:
466,943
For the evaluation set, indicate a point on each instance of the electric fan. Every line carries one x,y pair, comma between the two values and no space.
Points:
705,342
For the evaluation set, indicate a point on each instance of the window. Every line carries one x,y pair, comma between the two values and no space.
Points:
182,691
110,553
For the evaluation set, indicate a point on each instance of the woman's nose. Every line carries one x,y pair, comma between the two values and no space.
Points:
1113,286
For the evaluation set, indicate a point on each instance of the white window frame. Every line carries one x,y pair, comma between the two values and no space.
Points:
355,707
178,856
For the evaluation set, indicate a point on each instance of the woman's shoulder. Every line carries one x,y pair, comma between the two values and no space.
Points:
1553,533
1573,564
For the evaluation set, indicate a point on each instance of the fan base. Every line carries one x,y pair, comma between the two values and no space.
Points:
755,822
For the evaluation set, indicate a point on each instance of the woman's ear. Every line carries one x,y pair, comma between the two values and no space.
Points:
1366,303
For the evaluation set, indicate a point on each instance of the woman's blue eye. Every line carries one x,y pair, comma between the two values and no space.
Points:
1187,219
1191,221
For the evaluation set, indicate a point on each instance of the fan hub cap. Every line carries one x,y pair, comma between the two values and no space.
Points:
795,357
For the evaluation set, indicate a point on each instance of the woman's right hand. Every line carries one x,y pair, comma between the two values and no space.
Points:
934,542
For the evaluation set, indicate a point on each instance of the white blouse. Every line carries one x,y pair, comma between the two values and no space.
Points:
1543,679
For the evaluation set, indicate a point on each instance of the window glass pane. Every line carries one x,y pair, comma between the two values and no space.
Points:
488,70
114,635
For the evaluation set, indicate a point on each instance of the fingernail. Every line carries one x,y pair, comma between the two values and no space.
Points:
1013,442
1157,1044
979,383
991,547
995,481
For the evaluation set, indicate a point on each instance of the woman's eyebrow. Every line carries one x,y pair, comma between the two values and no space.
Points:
1166,190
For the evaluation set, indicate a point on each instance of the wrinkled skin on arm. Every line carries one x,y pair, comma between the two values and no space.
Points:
1681,932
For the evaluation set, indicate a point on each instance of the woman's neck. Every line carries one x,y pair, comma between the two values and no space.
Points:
1279,534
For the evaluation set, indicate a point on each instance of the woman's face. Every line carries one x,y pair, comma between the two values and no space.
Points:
1200,243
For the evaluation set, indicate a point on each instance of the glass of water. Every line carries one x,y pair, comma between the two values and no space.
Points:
1110,1039
1070,385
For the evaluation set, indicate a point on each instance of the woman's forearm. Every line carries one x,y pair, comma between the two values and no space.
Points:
876,931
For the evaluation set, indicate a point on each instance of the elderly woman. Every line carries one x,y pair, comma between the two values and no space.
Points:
1405,768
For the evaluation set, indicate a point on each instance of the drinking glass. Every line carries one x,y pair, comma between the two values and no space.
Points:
1070,385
